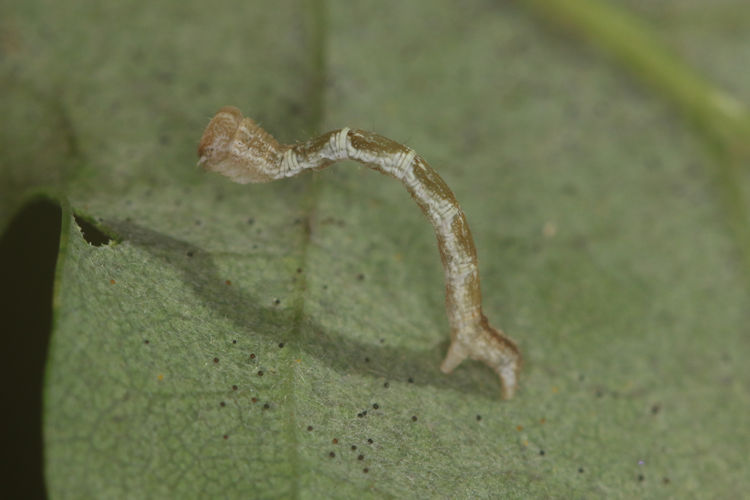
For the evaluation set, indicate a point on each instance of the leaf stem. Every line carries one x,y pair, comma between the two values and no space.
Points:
632,43
724,122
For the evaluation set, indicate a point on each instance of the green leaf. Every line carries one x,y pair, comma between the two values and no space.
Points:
240,341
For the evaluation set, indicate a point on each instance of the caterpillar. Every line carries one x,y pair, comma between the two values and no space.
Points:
240,149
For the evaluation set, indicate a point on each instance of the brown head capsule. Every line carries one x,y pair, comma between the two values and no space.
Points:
239,149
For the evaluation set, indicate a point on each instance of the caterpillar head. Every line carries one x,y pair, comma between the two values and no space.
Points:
238,148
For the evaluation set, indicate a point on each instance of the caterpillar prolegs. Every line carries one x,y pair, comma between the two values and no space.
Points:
241,150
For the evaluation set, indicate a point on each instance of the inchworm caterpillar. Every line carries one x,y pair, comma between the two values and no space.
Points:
241,150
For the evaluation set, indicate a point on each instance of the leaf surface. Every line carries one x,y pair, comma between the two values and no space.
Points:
241,341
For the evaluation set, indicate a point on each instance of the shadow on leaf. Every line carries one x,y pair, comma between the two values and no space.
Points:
343,354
